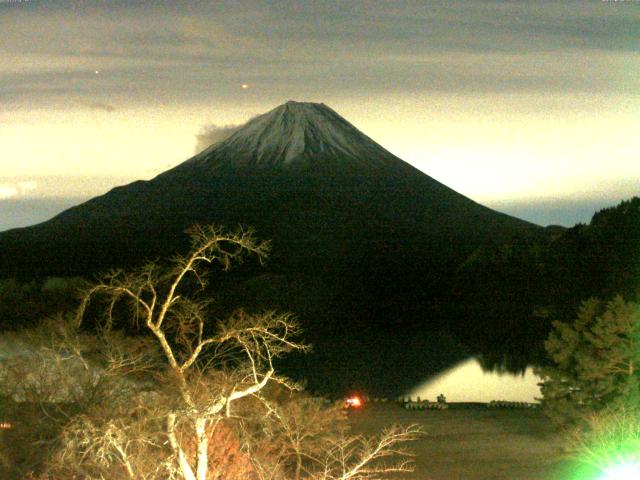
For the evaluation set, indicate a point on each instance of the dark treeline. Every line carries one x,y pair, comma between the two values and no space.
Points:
25,304
518,289
384,329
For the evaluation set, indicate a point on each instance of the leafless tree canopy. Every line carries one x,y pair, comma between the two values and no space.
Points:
190,400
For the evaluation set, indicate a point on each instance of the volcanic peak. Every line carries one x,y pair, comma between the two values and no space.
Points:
293,133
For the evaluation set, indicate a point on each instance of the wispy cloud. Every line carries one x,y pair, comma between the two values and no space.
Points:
212,134
151,50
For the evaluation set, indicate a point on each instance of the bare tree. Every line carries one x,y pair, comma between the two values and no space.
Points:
359,458
289,432
177,321
309,427
51,374
309,439
189,400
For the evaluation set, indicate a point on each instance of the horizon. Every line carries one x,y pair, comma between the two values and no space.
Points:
529,109
23,210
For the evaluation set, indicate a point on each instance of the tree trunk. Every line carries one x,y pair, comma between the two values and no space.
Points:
298,464
203,445
183,463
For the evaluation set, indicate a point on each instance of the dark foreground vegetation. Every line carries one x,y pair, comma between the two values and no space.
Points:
173,396
510,294
141,383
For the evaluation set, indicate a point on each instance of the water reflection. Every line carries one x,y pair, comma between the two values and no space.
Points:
467,382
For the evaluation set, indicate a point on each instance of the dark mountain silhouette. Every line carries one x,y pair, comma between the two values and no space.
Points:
365,246
520,288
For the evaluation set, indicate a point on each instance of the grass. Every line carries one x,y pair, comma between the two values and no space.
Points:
475,443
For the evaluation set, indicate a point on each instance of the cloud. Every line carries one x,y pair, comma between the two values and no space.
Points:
149,50
16,190
28,186
212,134
105,107
7,191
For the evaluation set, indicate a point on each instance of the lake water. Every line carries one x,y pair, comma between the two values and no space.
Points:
468,382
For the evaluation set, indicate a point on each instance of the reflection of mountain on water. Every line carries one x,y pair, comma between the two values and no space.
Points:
469,382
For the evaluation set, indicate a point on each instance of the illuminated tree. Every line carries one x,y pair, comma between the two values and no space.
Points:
185,399
596,361
197,363
298,430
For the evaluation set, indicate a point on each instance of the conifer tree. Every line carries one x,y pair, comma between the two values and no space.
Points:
596,361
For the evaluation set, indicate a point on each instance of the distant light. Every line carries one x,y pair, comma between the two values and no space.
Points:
354,402
245,86
97,72
8,191
623,471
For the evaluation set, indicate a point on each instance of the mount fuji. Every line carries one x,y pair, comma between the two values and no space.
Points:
365,246
293,134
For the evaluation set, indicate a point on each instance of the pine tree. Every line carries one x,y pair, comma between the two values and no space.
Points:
596,361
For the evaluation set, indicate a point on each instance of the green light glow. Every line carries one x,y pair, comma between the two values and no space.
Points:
623,471
608,447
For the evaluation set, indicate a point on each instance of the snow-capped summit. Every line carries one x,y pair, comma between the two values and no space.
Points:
295,133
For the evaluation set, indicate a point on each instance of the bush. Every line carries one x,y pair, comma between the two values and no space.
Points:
24,304
608,439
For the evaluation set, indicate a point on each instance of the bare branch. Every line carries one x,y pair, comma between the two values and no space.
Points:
149,421
362,458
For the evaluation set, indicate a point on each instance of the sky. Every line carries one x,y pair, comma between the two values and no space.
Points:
528,107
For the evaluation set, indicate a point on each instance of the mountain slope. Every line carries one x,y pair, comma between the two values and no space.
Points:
294,134
380,238
298,168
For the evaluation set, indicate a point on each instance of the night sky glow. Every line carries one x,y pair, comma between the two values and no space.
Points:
531,108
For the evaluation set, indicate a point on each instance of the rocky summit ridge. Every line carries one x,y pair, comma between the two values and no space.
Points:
294,133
